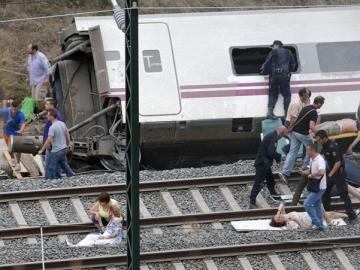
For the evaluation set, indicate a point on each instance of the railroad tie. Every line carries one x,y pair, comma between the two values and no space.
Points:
210,264
51,218
245,263
20,220
344,261
276,262
144,213
203,207
80,211
173,208
228,196
177,266
310,261
144,267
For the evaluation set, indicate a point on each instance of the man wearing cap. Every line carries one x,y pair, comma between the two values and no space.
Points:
279,63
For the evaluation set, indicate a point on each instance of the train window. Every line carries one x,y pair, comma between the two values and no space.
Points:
112,55
247,61
339,56
152,61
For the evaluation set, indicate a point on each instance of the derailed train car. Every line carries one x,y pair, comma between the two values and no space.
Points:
201,96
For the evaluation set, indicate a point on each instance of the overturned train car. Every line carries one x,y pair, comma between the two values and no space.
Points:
201,96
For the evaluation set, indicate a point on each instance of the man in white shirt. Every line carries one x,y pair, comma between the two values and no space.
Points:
316,187
357,140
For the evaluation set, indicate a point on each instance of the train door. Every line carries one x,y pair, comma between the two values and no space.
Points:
158,85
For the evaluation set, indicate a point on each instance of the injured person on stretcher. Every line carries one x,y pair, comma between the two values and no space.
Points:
112,235
301,220
338,127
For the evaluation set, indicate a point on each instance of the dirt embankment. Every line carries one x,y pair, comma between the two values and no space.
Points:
15,36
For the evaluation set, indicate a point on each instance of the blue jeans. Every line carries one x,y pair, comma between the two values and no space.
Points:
296,140
55,162
279,83
312,205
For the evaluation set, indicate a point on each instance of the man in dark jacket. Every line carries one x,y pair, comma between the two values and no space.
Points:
279,64
263,162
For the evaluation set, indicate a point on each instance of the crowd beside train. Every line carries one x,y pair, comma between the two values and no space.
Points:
302,126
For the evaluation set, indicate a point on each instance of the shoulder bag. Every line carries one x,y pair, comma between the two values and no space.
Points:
291,127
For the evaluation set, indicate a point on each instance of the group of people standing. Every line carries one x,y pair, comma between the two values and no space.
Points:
56,138
320,171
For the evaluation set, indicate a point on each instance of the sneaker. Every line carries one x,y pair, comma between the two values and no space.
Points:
252,206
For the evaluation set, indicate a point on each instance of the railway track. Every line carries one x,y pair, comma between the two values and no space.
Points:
196,253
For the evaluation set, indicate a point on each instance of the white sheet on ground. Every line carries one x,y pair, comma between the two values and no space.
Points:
92,239
263,225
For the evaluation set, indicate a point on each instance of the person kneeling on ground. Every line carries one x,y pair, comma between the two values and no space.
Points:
299,220
100,210
59,140
111,236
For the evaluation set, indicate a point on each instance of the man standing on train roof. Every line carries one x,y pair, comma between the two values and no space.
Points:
279,64
335,174
263,162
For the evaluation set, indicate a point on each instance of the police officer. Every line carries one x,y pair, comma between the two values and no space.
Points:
264,160
279,63
335,173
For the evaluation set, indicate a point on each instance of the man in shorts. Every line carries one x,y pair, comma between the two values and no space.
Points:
14,124
357,140
39,70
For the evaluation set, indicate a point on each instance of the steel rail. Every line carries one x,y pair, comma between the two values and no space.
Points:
26,195
195,253
226,216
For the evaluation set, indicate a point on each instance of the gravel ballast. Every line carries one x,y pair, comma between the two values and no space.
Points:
64,211
6,218
33,213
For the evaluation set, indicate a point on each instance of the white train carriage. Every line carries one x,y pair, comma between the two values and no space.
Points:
201,95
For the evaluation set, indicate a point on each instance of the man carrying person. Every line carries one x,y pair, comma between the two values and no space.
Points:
59,140
39,70
14,124
306,121
357,140
264,160
335,173
297,105
279,64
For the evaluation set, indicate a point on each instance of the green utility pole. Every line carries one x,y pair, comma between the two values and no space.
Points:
132,133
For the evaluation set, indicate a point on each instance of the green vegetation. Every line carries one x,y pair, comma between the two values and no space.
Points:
15,36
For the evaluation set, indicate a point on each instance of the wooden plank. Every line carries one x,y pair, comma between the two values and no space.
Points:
80,211
203,207
20,220
245,264
210,265
173,208
343,260
144,212
8,158
228,196
40,164
51,218
177,266
276,262
30,165
309,260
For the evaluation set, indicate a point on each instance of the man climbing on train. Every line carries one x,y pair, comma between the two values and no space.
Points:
279,64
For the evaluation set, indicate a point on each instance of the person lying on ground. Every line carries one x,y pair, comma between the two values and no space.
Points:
111,236
100,210
300,220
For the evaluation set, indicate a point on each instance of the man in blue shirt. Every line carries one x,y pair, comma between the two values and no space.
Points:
39,70
50,105
14,124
